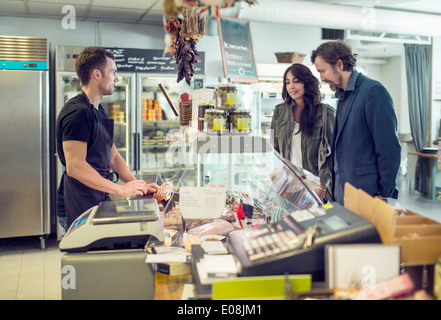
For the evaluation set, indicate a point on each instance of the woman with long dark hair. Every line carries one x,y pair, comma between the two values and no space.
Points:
298,122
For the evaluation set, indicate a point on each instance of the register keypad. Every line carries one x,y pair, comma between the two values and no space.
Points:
272,244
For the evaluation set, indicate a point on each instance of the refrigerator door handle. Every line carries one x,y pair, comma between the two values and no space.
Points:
135,148
136,160
138,152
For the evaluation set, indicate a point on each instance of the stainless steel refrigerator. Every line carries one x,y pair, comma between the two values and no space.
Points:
24,143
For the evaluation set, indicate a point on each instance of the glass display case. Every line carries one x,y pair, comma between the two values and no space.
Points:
118,107
249,99
156,120
246,164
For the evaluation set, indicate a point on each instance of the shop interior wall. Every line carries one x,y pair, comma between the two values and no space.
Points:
267,39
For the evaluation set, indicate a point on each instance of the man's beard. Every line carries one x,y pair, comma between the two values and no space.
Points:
106,91
334,86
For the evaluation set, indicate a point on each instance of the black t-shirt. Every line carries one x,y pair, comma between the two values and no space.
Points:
76,121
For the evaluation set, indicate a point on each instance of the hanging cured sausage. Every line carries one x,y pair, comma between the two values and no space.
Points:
185,34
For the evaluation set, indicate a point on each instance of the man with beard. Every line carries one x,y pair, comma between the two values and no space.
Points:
85,143
365,147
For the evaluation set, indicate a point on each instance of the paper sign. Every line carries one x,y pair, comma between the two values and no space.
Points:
202,202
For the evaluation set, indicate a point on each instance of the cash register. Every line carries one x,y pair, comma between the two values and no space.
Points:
296,243
105,251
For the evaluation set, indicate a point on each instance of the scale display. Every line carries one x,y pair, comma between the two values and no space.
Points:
114,223
126,211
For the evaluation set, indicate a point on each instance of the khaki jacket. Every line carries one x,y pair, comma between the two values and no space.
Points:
281,135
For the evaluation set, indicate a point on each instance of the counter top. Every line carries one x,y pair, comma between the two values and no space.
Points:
170,287
424,155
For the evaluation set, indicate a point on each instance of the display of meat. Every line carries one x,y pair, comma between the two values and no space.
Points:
217,227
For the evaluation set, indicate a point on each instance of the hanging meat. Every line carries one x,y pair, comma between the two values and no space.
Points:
185,35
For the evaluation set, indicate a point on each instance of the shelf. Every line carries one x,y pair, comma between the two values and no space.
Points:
160,122
155,170
152,146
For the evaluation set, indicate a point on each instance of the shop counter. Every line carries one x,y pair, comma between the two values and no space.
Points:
170,287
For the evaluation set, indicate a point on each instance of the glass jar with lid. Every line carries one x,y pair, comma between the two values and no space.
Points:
240,122
202,107
226,97
215,121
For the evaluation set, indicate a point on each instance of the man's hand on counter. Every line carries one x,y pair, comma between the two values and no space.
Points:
140,187
156,190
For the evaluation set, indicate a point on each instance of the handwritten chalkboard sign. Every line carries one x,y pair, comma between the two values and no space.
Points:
150,61
237,49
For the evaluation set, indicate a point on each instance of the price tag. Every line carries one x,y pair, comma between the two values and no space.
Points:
202,202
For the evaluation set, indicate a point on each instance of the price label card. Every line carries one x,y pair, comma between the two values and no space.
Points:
202,202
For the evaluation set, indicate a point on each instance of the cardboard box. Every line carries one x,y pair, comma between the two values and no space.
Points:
418,236
290,57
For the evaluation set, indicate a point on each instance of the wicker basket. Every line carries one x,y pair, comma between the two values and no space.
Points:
290,57
185,112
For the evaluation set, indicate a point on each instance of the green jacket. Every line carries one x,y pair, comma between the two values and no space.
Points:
282,126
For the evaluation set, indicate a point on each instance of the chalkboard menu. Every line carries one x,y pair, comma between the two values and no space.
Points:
237,49
150,61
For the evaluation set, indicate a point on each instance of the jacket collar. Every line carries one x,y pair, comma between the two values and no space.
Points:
340,94
355,83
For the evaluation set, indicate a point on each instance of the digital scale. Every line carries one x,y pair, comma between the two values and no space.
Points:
296,244
105,251
114,224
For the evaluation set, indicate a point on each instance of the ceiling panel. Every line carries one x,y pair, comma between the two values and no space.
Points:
422,6
12,8
126,4
64,2
150,11
364,2
158,6
425,6
108,13
156,15
52,9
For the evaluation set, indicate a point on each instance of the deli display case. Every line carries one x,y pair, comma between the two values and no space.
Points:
245,164
271,222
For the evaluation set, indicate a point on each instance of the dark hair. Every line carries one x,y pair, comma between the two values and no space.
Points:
89,59
332,51
312,96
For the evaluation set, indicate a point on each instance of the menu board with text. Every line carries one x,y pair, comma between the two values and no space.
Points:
150,61
237,49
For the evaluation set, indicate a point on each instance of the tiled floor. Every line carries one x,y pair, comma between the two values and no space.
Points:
27,272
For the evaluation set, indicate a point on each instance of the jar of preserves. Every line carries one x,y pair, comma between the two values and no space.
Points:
240,122
201,114
215,122
226,97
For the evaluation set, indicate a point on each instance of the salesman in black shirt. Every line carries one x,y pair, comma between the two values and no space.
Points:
85,142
